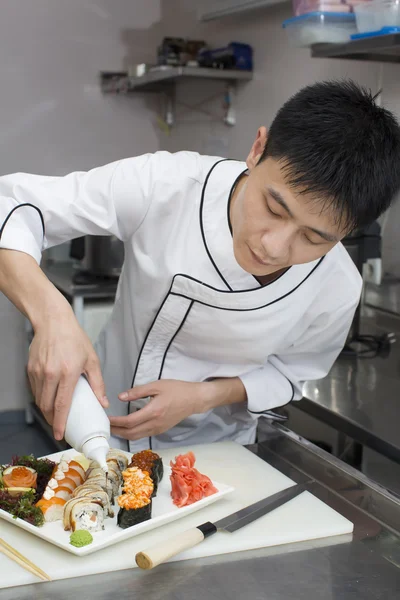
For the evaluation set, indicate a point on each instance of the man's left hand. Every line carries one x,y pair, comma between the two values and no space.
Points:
170,402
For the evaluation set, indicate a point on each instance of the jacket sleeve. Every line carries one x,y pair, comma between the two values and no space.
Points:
281,380
37,212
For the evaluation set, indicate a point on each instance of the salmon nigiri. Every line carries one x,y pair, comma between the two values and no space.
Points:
52,509
75,476
62,491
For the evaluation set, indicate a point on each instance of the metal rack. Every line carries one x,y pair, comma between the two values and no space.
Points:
164,79
384,48
158,78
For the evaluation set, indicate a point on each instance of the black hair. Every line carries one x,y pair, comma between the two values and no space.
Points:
335,143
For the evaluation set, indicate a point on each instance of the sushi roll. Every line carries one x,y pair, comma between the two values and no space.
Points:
88,515
149,461
119,457
83,513
85,487
99,496
115,480
133,510
99,478
135,501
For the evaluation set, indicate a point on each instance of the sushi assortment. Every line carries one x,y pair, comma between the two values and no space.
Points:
81,496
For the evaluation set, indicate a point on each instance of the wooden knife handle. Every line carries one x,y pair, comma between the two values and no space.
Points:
157,554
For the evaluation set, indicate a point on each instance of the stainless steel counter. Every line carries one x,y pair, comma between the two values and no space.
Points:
385,297
361,397
365,566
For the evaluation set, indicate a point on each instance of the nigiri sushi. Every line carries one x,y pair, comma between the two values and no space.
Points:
52,509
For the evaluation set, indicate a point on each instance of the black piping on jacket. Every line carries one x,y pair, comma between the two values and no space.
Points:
16,208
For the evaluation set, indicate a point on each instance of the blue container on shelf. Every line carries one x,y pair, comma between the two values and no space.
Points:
233,56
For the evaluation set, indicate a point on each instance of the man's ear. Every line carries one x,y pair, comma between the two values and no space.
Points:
257,148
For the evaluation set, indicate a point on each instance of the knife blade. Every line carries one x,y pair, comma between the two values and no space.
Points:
155,555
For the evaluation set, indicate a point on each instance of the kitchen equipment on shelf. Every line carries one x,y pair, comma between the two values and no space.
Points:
233,56
175,51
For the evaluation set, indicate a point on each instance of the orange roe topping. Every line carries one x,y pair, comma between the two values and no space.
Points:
137,490
137,482
129,501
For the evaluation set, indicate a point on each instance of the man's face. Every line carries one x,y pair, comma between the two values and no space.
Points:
274,227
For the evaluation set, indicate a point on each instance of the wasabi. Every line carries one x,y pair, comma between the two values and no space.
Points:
80,538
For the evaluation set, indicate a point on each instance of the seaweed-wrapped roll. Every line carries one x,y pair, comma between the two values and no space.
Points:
133,510
149,461
135,501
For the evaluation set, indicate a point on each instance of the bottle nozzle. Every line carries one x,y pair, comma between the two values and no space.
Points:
97,449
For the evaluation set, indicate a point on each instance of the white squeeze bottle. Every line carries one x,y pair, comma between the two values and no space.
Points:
88,427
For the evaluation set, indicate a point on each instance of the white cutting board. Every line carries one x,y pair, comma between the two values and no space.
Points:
304,518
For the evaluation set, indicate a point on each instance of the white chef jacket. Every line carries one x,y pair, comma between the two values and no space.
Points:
184,308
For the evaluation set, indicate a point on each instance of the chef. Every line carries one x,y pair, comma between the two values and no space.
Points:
235,288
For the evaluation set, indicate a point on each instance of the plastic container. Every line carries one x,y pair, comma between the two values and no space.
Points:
370,34
88,427
377,14
320,28
301,7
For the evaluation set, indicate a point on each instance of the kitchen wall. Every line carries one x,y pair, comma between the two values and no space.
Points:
53,118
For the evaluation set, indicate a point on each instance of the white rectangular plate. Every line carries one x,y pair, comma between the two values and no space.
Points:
163,511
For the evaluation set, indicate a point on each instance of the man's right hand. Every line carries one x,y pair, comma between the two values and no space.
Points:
60,352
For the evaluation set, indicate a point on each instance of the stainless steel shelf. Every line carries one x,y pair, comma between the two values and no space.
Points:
157,79
384,48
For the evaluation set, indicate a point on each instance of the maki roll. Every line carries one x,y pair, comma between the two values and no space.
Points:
135,501
119,457
83,513
149,461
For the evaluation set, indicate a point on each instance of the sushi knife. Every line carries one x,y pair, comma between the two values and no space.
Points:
155,555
